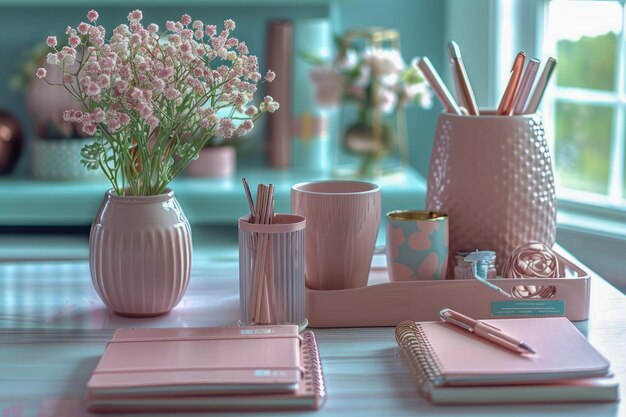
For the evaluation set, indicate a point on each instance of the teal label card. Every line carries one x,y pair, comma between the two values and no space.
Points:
512,308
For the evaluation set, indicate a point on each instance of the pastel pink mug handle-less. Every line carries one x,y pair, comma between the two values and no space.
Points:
342,224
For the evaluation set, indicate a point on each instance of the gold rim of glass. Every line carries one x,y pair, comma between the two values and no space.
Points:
421,215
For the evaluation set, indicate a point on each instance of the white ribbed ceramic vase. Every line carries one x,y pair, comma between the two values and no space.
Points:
140,253
492,175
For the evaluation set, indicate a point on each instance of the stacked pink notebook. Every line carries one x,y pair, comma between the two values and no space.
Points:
452,365
229,368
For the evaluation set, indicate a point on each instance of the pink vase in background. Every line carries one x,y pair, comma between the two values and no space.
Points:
140,253
214,162
46,103
342,220
492,175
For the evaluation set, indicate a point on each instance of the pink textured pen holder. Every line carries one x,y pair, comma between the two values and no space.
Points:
492,175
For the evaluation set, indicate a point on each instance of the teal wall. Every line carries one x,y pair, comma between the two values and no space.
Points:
421,24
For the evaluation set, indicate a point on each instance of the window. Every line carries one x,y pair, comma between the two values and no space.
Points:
585,108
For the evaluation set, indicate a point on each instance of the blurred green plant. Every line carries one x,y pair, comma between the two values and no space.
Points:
583,131
588,62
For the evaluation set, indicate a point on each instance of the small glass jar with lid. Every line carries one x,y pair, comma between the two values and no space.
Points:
463,269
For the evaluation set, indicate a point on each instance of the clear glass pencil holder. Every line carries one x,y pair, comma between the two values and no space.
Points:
271,271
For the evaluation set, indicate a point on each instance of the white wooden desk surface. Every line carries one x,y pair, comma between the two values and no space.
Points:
53,329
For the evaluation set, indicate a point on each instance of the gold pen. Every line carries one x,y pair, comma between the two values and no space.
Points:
464,92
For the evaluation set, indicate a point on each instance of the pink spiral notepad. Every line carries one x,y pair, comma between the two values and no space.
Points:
452,365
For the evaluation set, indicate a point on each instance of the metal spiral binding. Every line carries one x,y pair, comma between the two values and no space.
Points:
313,375
422,358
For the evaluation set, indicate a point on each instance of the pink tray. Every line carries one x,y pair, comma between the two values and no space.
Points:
383,303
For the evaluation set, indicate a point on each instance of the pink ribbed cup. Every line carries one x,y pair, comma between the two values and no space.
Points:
140,253
492,175
342,220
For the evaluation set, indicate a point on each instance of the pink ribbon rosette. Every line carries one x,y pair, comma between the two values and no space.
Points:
533,260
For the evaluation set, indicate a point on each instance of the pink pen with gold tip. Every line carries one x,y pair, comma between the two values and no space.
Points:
521,97
486,331
506,104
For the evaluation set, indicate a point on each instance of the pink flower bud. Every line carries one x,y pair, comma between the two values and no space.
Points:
269,77
93,89
92,15
135,16
89,129
74,41
68,115
210,30
83,28
251,111
185,19
41,72
51,41
229,24
169,25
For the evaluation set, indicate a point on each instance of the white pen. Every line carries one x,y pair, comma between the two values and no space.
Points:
464,93
525,86
540,87
438,86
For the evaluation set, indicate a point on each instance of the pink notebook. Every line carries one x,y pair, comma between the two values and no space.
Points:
310,394
450,356
227,360
602,389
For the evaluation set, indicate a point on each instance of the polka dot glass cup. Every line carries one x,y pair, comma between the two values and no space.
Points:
417,245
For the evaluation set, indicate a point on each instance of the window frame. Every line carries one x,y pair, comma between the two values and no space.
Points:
612,204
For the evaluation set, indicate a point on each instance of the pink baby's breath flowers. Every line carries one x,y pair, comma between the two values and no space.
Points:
172,93
197,25
135,16
89,129
185,19
83,28
229,24
93,89
74,41
140,85
210,30
251,111
92,15
270,76
269,105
